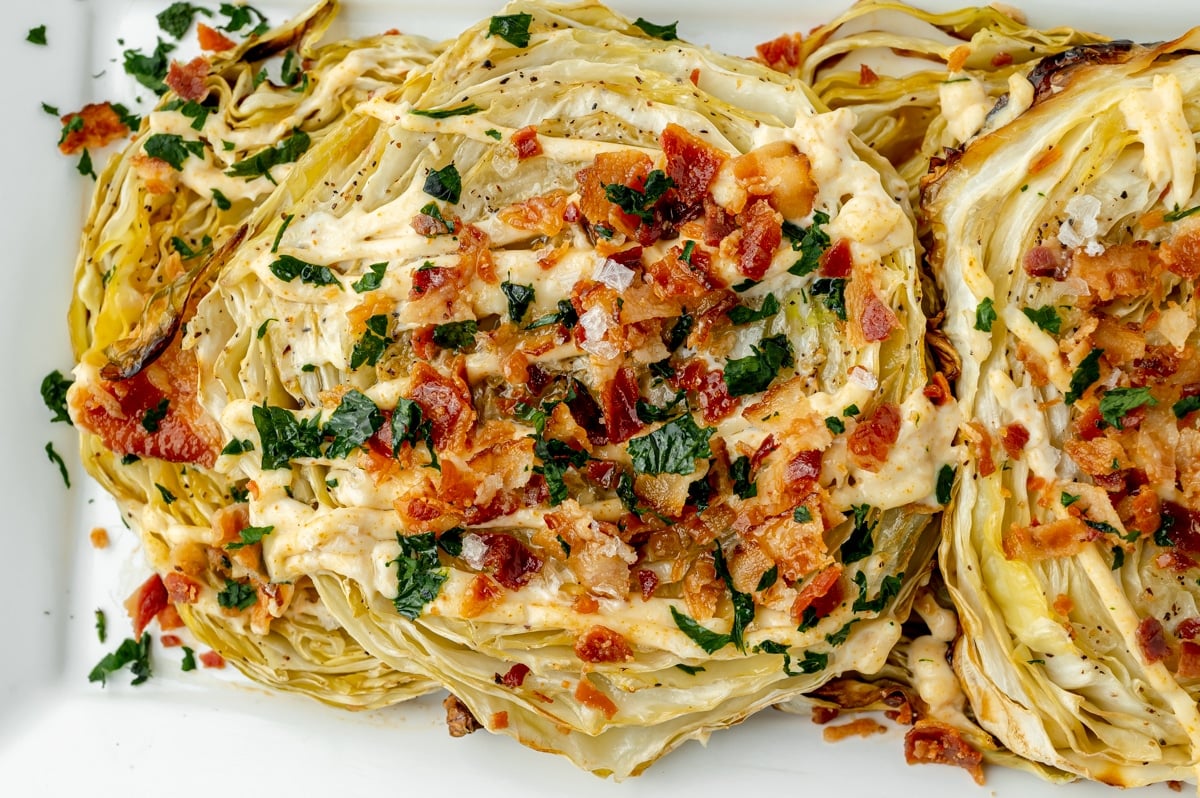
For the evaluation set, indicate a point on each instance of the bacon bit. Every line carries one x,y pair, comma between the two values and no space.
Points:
718,223
587,414
211,659
544,214
101,126
620,397
783,53
511,563
1181,252
938,391
866,76
672,279
958,58
626,168
213,40
526,142
820,586
710,388
144,603
587,694
459,720
188,80
823,715
648,581
1063,604
425,280
1188,629
585,604
601,644
180,589
1175,786
1146,509
877,320
170,641
693,164
1184,525
1152,640
1013,438
798,549
837,260
1157,364
156,174
1173,560
1002,60
1045,262
1097,457
514,677
873,438
695,77
168,618
99,538
764,450
446,402
1064,537
803,467
931,741
762,233
1189,660
603,473
475,254
499,720
481,595
1122,270
430,226
1045,160
861,727
983,449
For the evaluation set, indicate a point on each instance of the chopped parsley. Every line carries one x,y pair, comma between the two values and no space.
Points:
36,35
173,149
419,574
237,595
1086,374
840,636
189,659
707,639
84,167
1068,499
491,132
680,330
1117,402
688,249
1188,404
288,268
192,110
565,315
802,515
888,590
132,653
673,448
167,496
222,202
176,18
1118,557
249,536
752,374
58,461
409,426
1162,535
456,335
285,437
832,291
557,457
811,242
54,395
434,212
835,425
149,70
50,109
445,113
743,485
372,279
154,416
648,413
690,670
260,164
185,250
945,484
768,579
861,542
519,299
640,203
667,33
262,329
242,15
373,343
744,286
1045,317
1177,214
444,184
513,28
101,626
236,446
355,420
985,315
850,411
744,315
743,603
74,124
287,220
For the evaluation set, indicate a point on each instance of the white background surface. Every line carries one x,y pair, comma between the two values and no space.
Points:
206,734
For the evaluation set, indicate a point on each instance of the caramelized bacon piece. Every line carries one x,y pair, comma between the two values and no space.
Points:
1181,252
587,695
213,40
211,659
625,168
180,589
871,441
188,80
931,741
821,585
101,126
692,164
837,260
1043,261
620,406
526,142
481,594
866,76
510,563
1182,525
718,223
459,720
797,548
761,236
938,390
1152,640
475,253
1099,457
543,214
861,727
446,402
1122,270
514,677
647,582
601,644
1189,660
877,320
710,388
1014,437
146,602
803,467
1064,537
782,53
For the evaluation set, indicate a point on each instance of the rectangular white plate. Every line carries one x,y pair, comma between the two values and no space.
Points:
206,734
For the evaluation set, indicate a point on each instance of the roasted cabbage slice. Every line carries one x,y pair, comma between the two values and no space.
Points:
152,228
584,375
918,81
1066,246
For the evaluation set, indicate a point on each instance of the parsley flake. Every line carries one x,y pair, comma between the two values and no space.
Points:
1086,374
811,242
237,595
672,448
519,299
640,203
260,164
1118,402
667,33
444,184
513,28
36,35
985,315
285,437
752,374
58,461
288,268
861,542
373,344
1045,317
419,574
173,149
132,653
54,395
744,315
456,335
445,113
372,279
249,536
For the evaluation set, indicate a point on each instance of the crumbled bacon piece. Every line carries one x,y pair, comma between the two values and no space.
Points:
1189,661
99,538
837,261
620,398
931,741
938,391
1042,261
860,727
514,677
170,641
543,214
526,142
877,319
761,235
804,467
587,695
446,402
211,659
101,125
1152,640
958,58
144,603
1064,537
823,715
601,644
1174,560
711,390
871,441
768,445
475,253
213,40
1122,270
430,226
1188,629
481,594
1181,252
604,473
648,582
718,223
459,720
782,53
510,562
1183,525
866,76
822,584
692,164
168,618
983,449
188,80
1002,60
499,721
180,589
1013,438
624,168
